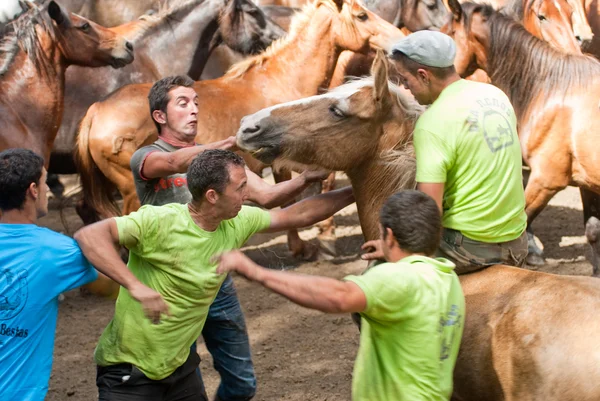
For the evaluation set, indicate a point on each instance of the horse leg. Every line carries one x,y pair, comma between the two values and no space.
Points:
535,255
56,187
326,234
538,192
300,249
591,215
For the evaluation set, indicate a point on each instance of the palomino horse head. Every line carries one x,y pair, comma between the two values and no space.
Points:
471,35
562,23
338,130
83,42
244,27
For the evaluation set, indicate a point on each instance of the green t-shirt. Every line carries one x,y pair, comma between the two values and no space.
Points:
410,331
468,140
169,253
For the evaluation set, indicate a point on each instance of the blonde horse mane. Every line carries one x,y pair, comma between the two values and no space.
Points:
299,21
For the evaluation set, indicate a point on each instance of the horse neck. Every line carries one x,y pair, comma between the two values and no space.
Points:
305,62
376,178
526,68
195,26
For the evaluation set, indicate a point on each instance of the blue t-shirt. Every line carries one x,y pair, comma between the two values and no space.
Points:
36,265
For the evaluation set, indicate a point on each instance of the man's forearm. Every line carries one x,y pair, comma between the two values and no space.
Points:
182,158
317,208
270,196
320,293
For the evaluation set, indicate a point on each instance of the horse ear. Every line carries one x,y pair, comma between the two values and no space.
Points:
57,13
379,71
456,9
339,4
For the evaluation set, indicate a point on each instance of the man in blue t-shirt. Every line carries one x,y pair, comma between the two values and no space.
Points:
36,265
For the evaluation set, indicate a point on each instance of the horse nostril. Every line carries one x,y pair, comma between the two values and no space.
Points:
129,45
251,129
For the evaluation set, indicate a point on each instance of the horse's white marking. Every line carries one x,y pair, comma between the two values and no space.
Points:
9,10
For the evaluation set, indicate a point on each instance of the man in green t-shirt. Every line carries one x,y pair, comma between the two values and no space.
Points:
468,155
412,307
171,247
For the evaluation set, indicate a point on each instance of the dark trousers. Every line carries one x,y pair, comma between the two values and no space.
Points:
125,382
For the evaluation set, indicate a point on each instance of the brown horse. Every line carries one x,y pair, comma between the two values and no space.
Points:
191,29
298,66
35,51
555,96
592,9
528,335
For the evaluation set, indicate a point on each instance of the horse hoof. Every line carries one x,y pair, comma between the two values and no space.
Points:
535,260
308,252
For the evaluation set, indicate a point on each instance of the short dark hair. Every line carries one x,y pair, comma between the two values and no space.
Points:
19,168
159,93
413,66
415,221
210,170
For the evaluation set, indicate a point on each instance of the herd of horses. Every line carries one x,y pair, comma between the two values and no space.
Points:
528,335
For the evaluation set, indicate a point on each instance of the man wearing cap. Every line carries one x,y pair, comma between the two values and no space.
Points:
468,156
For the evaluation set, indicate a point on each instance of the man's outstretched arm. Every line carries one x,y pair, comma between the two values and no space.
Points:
314,292
270,196
311,210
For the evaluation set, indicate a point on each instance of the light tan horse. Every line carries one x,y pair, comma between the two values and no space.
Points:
298,66
555,96
35,50
528,336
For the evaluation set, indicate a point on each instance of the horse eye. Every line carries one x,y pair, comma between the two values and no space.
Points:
85,27
336,112
362,16
541,17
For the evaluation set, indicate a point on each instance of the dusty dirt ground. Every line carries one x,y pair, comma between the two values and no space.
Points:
299,354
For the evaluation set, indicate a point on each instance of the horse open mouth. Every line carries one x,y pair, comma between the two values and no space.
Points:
265,154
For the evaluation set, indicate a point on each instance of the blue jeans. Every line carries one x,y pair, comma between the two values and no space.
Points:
226,338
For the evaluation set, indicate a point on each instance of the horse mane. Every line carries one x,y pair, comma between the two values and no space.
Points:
166,15
525,67
299,21
21,33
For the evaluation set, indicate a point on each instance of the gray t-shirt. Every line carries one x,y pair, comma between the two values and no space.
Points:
158,191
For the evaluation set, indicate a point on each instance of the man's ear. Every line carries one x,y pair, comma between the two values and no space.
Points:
390,240
424,75
211,196
33,190
159,116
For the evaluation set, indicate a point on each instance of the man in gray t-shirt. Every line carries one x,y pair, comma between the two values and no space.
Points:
159,173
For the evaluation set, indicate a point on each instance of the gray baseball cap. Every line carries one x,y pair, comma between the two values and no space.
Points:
430,48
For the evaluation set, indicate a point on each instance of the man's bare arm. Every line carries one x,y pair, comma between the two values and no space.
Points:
435,190
270,196
314,292
311,210
162,164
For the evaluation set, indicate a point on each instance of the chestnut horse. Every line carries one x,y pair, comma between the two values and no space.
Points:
191,29
555,96
35,51
298,66
592,9
528,335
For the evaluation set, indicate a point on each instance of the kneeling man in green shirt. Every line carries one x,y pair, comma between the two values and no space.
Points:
171,279
412,307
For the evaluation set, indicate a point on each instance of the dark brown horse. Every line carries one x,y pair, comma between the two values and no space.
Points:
555,95
528,336
300,65
35,51
190,30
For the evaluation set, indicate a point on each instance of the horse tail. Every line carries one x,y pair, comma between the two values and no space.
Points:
98,191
